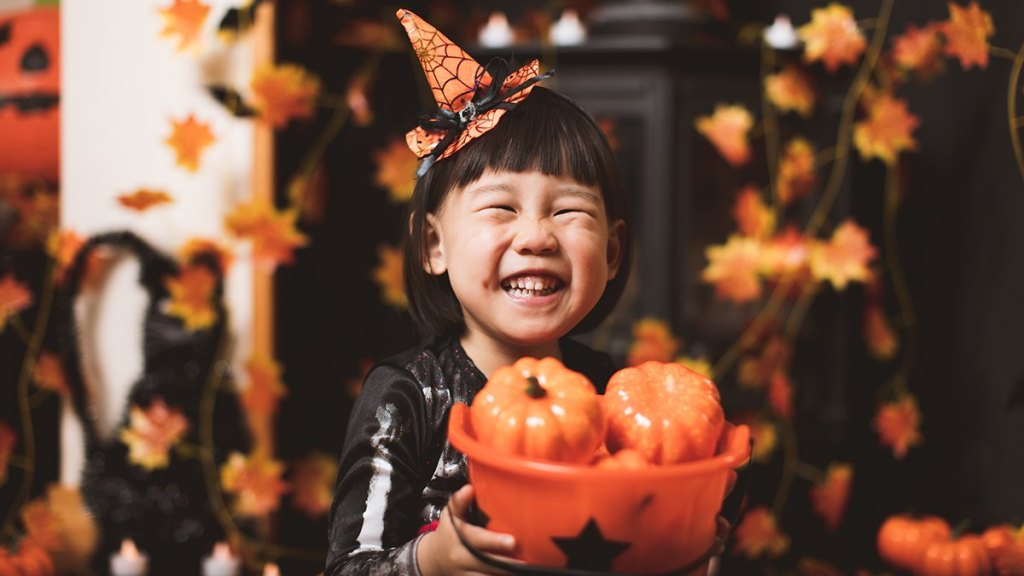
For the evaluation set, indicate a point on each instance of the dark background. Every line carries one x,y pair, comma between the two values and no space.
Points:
958,243
959,238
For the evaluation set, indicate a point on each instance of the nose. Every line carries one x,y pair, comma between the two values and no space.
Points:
534,237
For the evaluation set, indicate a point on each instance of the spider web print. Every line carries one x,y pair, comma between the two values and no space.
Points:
453,74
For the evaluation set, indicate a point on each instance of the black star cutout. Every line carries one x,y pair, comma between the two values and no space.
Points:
589,550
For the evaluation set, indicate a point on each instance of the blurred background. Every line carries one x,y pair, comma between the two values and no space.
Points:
201,208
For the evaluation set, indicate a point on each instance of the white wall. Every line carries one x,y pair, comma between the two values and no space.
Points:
122,84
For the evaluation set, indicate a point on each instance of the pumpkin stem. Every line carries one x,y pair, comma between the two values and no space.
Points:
534,389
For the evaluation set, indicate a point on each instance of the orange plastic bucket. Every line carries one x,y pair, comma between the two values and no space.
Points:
646,521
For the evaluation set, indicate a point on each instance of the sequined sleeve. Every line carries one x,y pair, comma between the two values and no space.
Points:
384,467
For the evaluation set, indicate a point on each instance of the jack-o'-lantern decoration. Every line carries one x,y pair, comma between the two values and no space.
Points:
30,92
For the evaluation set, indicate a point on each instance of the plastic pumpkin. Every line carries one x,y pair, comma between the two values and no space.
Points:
964,556
640,521
903,538
7,565
539,409
30,92
33,560
665,411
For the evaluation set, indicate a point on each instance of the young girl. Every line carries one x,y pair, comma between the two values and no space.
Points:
515,240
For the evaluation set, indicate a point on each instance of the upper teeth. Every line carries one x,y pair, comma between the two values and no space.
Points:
532,283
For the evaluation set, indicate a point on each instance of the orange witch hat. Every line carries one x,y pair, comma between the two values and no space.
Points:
470,98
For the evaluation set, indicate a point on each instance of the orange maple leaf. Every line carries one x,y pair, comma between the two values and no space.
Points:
652,340
49,375
700,365
256,483
727,129
967,32
184,19
790,89
358,101
610,128
14,297
886,131
389,276
284,92
272,232
196,247
758,535
313,484
878,333
62,246
265,388
831,496
765,437
753,217
796,174
832,36
918,49
189,139
41,525
144,199
192,297
151,433
845,257
8,439
755,373
898,425
780,394
396,170
732,268
786,255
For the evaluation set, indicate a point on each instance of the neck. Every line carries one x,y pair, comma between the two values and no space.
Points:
489,355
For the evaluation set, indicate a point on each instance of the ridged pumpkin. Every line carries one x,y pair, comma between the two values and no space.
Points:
903,538
539,409
964,556
665,411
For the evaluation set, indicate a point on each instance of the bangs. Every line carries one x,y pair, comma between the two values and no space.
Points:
545,132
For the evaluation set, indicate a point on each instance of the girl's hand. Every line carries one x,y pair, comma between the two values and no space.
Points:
441,552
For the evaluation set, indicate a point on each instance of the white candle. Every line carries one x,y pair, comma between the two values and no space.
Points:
496,33
222,562
271,570
781,34
568,30
128,561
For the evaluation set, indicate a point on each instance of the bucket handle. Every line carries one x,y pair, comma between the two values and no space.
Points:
732,509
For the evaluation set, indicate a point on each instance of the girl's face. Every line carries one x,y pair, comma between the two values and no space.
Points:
528,255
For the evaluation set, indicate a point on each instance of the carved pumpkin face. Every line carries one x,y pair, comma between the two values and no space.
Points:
30,92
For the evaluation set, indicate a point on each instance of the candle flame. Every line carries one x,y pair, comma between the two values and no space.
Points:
222,550
128,548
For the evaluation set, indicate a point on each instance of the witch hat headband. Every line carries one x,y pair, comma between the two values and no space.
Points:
471,99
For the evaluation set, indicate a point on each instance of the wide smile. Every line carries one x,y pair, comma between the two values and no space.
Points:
532,286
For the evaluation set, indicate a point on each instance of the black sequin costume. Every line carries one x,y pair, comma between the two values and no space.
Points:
397,469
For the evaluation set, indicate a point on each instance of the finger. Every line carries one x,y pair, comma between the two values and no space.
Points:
487,540
732,482
460,500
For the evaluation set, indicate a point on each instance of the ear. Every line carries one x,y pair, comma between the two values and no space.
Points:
616,240
436,263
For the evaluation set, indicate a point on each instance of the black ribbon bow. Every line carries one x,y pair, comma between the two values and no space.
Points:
453,123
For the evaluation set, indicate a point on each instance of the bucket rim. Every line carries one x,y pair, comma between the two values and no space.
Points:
733,452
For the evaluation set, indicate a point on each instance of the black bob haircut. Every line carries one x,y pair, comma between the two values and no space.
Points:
547,132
